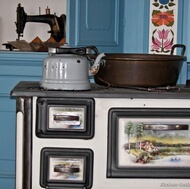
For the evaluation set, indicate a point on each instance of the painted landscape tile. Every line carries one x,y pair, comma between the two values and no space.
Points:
147,142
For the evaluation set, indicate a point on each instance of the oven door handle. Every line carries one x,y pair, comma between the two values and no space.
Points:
161,127
67,169
67,119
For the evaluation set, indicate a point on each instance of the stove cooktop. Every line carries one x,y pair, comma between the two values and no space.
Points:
32,88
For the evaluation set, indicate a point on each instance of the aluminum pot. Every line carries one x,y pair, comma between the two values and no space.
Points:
141,70
68,68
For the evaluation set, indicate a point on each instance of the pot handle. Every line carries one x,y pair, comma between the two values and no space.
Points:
77,51
183,47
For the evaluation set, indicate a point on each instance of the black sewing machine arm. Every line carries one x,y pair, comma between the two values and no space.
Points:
57,24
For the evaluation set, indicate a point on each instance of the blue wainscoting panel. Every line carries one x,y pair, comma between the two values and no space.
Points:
7,143
14,67
98,23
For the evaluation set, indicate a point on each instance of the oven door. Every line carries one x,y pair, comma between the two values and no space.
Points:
149,143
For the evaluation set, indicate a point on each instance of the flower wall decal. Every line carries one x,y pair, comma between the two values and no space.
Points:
162,40
162,18
163,4
163,26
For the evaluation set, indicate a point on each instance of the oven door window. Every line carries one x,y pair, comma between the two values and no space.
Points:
66,168
67,118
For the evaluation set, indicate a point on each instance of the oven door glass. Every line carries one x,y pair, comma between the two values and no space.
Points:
65,118
66,168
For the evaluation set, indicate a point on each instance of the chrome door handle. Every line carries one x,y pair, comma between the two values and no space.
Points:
161,127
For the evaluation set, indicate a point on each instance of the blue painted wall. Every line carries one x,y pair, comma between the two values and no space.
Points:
14,67
184,36
131,27
98,23
136,30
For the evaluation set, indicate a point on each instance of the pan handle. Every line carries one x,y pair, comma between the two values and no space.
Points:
89,48
183,47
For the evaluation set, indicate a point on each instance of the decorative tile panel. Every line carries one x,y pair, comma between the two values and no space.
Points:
163,26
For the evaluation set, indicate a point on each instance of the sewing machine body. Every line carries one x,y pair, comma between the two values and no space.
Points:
57,24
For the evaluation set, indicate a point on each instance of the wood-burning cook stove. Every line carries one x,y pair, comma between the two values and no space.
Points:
102,138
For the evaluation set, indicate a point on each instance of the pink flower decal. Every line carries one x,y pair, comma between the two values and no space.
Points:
163,18
162,40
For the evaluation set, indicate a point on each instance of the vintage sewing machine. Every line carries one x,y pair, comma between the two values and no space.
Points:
57,24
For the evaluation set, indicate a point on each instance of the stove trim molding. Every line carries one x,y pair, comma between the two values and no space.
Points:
24,105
